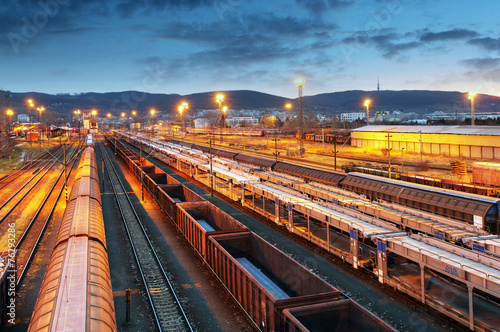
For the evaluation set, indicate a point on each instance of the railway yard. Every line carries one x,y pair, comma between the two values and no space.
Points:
170,235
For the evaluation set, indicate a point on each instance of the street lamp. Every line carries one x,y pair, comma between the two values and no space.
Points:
288,107
182,107
40,110
30,106
220,99
472,95
153,111
9,114
300,84
77,113
123,118
367,105
134,113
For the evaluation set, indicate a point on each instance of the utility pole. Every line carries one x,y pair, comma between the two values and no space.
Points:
421,147
389,152
276,153
211,170
65,174
140,160
335,151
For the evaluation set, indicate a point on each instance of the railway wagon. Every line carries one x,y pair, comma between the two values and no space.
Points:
310,173
76,290
199,220
480,211
263,280
336,316
173,194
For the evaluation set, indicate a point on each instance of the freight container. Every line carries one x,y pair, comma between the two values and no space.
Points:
336,316
199,220
486,173
171,194
264,280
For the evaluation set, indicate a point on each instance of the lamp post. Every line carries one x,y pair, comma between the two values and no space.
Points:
367,105
224,113
94,114
300,84
220,99
288,108
389,152
40,110
134,113
9,114
472,95
30,106
402,160
123,118
77,113
182,107
153,111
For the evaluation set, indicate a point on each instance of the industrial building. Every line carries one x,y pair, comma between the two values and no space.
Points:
472,142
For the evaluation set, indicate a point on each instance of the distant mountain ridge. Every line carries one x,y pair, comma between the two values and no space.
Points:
420,101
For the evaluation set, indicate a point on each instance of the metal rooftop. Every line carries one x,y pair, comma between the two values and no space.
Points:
451,130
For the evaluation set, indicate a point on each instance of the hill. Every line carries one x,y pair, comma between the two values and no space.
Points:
420,101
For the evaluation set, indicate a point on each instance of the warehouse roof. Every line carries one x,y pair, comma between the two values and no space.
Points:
450,130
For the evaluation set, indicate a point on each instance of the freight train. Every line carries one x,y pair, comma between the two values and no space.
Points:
266,283
76,291
480,211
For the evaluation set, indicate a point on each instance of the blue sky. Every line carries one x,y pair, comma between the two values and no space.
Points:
189,46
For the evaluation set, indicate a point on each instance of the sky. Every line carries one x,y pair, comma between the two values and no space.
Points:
190,46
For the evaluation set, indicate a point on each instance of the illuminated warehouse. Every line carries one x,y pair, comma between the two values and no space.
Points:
454,141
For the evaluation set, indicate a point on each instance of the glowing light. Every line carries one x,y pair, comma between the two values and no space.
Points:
300,82
367,102
152,111
288,106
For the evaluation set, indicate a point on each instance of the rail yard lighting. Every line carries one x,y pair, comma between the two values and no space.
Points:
472,95
300,84
40,110
219,99
31,104
288,108
152,112
9,114
93,113
182,107
367,105
77,113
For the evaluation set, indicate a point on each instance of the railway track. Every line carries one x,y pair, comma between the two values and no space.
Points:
167,310
27,244
38,162
27,186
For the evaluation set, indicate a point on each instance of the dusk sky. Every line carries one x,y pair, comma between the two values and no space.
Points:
189,46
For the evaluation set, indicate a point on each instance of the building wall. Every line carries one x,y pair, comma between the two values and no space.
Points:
466,146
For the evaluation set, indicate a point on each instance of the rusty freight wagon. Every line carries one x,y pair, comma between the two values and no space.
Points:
199,220
263,280
336,316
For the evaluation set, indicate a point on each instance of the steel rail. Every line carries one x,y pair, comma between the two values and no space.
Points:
147,260
20,171
29,190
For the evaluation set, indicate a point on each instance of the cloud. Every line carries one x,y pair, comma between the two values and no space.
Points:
486,43
447,35
482,63
390,44
320,6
